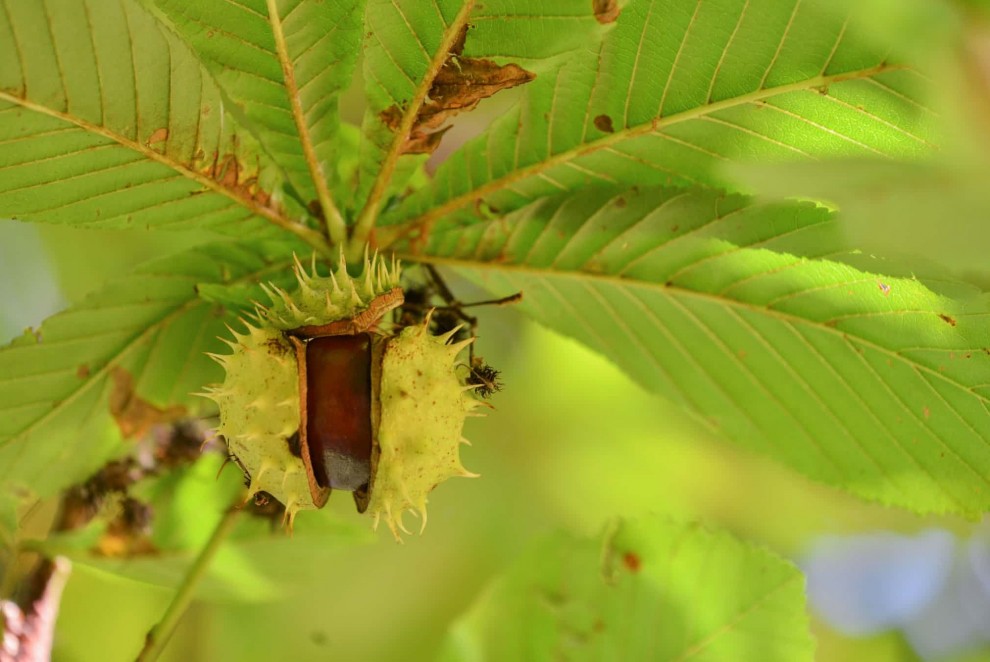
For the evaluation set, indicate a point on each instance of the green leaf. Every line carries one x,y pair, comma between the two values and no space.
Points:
55,387
738,312
660,591
107,121
410,40
675,90
282,65
889,207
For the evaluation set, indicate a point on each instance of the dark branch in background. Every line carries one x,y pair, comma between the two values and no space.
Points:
28,629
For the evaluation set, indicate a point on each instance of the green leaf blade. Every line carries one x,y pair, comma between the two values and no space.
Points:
106,121
675,92
54,391
739,312
238,44
657,591
405,38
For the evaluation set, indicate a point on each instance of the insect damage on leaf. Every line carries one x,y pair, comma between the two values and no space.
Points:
228,172
158,136
606,11
135,416
604,123
459,86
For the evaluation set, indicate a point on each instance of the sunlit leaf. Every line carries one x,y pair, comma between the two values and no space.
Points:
410,42
890,206
108,121
282,64
657,591
675,90
735,311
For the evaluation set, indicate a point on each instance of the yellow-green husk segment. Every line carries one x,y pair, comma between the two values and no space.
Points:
259,402
323,299
259,414
423,407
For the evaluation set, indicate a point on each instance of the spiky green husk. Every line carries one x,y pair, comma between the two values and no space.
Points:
323,299
259,398
423,407
259,414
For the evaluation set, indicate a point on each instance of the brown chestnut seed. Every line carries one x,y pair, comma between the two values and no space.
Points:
338,407
339,372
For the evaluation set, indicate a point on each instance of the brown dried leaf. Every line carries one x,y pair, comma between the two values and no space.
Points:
135,416
424,143
459,86
606,11
462,82
227,170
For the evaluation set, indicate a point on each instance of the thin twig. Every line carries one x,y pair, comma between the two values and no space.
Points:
369,214
159,635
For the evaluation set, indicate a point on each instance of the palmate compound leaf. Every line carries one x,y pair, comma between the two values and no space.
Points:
657,591
58,385
674,90
107,120
282,64
742,314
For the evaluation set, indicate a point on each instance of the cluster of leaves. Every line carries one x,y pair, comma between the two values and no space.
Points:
609,194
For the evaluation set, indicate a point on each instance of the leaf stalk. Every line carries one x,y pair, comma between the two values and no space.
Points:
336,228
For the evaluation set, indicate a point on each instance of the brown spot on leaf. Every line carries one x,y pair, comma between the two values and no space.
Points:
82,372
947,319
228,172
606,11
926,412
620,202
459,86
604,123
136,416
632,561
158,136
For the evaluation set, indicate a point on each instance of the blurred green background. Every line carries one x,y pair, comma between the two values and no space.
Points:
570,444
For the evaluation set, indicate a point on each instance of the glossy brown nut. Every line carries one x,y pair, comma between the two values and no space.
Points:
338,410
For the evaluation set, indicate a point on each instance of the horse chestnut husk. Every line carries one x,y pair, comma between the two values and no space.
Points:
319,395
